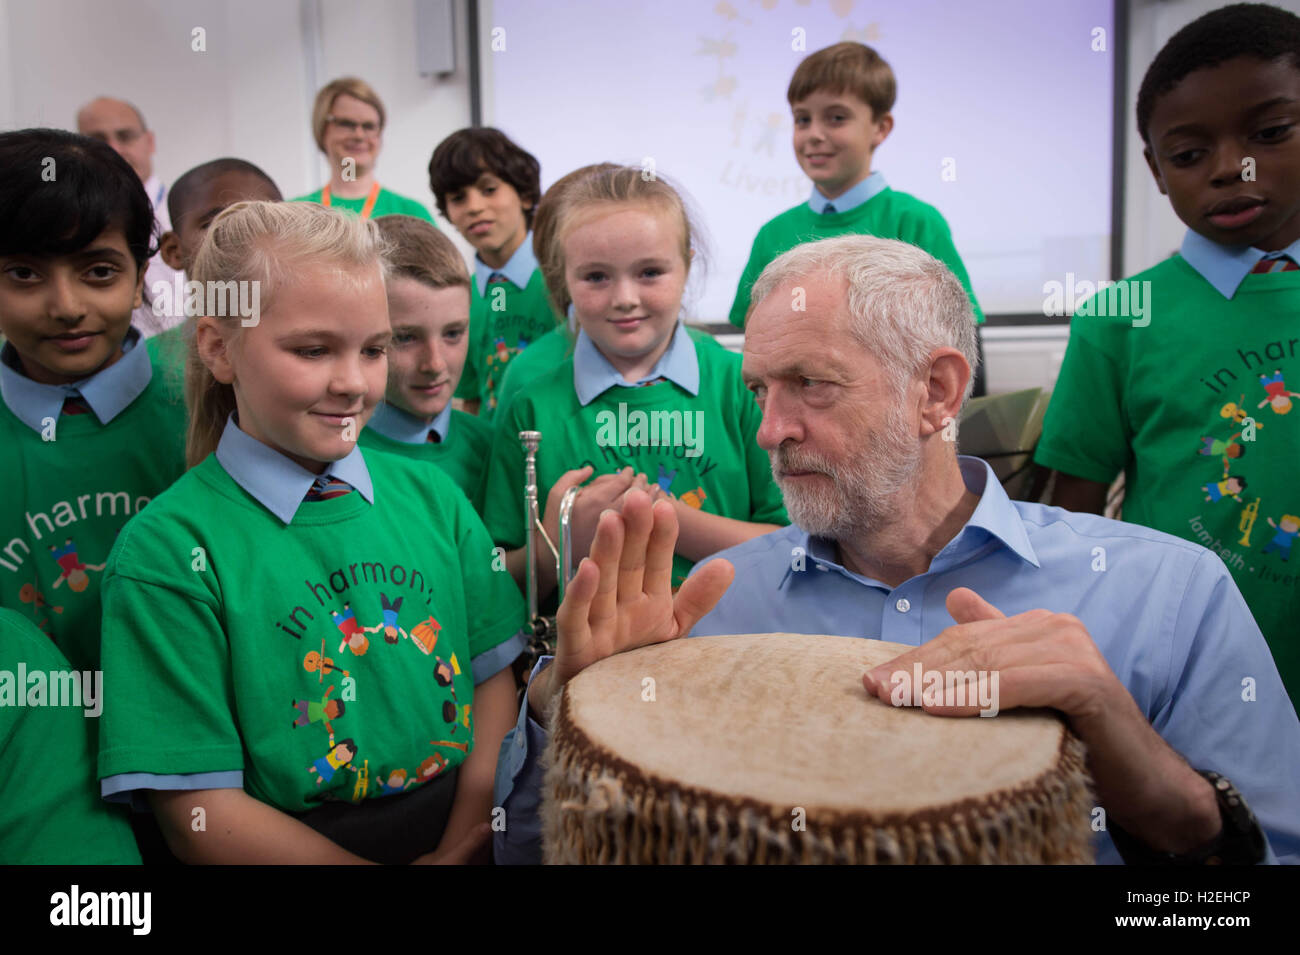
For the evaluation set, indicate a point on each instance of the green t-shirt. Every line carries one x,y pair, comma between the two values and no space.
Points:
168,350
462,455
386,204
1171,404
223,626
730,476
535,361
551,349
888,214
68,498
501,325
50,810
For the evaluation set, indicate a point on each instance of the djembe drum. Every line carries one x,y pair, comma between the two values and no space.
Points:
765,748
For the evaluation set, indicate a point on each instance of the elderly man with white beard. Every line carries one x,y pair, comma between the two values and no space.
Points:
860,351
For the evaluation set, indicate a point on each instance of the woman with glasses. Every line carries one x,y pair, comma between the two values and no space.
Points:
347,121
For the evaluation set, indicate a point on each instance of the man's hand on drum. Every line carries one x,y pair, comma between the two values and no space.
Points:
1045,659
621,596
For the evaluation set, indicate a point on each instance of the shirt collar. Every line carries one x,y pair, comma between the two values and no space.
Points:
519,270
277,483
995,518
157,191
593,375
108,391
1226,266
866,189
393,422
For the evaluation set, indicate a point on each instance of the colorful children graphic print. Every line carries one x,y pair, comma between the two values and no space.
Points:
74,571
1247,448
314,708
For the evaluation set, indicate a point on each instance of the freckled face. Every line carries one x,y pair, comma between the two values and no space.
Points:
430,342
625,272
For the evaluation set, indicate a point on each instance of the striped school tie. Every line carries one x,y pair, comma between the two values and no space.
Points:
75,404
432,438
325,488
1281,263
829,210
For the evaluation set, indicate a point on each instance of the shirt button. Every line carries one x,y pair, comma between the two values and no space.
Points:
903,605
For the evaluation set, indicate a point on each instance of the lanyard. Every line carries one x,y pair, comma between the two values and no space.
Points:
365,210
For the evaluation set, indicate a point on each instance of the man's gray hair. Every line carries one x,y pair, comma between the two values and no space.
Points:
903,302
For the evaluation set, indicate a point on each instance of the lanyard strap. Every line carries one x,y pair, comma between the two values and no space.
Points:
366,209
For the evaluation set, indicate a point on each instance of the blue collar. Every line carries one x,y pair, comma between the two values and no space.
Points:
277,483
593,375
995,519
866,189
519,270
108,391
393,422
1226,266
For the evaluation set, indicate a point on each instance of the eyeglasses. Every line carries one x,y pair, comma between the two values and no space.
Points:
351,125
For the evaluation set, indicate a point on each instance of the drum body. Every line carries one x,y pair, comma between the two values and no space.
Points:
765,748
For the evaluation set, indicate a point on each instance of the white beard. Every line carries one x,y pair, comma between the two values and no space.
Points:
861,495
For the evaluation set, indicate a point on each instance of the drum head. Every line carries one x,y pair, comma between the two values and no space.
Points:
778,727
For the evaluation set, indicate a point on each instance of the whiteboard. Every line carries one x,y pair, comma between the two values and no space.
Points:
1003,119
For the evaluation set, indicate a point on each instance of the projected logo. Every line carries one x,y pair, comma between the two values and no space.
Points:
757,160
761,134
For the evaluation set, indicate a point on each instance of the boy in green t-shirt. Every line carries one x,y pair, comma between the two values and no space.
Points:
428,305
841,99
50,810
91,428
488,188
1189,393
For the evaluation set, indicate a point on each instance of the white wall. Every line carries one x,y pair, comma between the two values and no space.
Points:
249,94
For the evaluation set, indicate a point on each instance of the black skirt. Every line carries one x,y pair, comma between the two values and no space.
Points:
391,830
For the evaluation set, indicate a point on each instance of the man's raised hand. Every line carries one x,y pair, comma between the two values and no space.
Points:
621,597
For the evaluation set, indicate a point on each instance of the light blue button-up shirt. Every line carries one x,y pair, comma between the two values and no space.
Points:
519,269
1164,613
108,392
277,483
1226,266
393,422
850,200
593,375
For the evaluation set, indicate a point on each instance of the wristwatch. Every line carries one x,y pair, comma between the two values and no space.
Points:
1240,842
